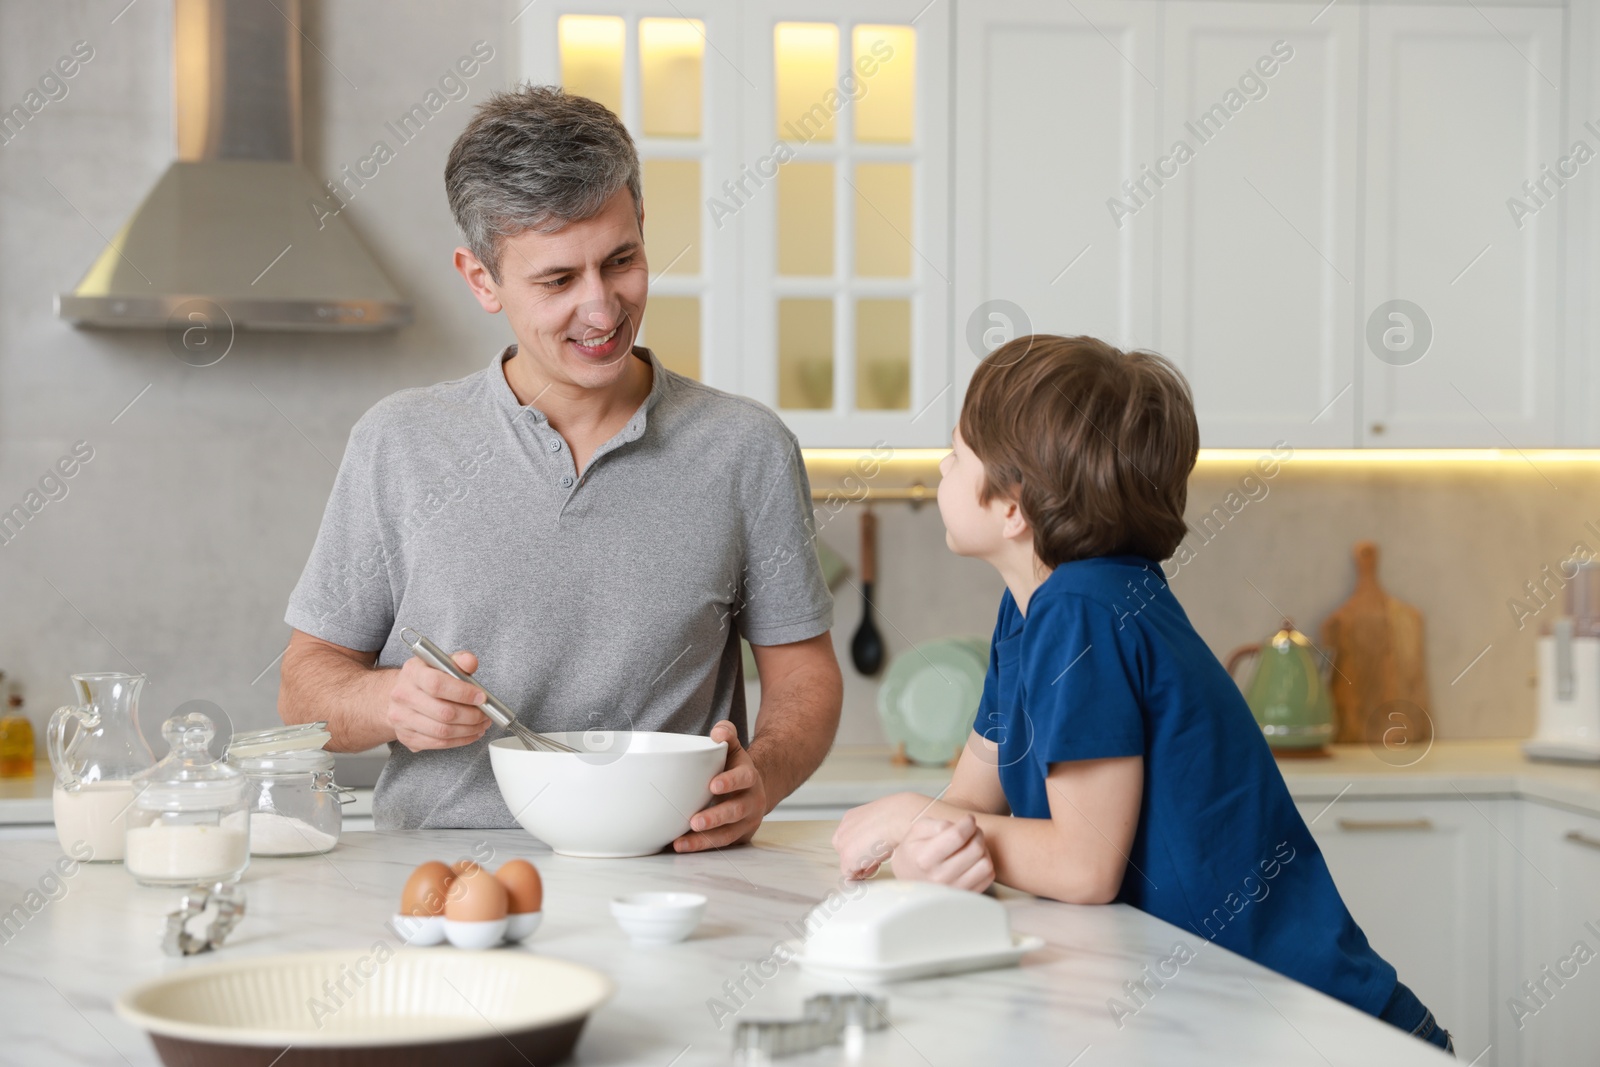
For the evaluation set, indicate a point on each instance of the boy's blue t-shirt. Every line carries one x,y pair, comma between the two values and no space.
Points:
1107,664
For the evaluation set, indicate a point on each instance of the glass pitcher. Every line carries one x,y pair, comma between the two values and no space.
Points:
94,767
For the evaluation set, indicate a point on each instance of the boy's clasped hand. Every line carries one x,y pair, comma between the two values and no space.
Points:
925,847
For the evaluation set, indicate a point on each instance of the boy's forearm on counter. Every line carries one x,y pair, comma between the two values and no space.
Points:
1034,855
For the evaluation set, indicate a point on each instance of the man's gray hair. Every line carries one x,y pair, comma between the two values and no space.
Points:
536,158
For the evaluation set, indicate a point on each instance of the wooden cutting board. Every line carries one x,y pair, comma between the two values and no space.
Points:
1379,680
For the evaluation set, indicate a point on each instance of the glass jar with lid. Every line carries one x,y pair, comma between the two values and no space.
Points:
294,802
188,824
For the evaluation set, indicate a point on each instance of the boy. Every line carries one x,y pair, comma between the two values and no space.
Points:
1113,759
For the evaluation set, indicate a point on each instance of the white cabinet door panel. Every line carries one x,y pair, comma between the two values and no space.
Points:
1463,107
1260,228
1418,876
1552,1004
1055,109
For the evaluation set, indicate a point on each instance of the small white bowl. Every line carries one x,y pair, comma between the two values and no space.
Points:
419,930
475,935
658,918
522,926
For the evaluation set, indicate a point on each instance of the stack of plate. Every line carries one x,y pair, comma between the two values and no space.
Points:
929,697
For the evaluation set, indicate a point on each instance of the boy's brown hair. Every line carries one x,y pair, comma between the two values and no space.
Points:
1095,444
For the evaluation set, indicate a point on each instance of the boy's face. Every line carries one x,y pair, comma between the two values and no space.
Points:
971,528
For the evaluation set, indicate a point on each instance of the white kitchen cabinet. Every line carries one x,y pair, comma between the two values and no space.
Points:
1260,227
1374,165
1418,876
1464,106
1557,1022
1055,107
846,251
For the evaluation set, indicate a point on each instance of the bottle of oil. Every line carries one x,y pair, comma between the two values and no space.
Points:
16,738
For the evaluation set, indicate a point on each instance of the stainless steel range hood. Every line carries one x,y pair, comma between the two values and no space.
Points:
237,220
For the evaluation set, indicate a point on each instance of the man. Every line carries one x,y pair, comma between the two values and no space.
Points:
597,528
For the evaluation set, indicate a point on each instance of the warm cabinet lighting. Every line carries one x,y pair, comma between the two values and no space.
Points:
883,220
805,354
1388,456
672,201
672,330
1374,457
884,111
591,57
883,355
671,52
807,61
805,219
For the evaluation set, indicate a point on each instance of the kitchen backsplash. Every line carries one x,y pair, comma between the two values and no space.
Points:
195,492
1460,542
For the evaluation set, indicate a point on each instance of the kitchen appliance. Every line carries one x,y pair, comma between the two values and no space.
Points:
623,794
492,706
1287,693
1380,678
237,231
416,1007
96,764
1569,676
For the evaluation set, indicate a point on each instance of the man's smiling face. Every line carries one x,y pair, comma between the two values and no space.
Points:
574,297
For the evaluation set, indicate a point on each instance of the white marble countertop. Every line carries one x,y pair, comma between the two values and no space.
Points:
60,972
1447,769
856,774
26,801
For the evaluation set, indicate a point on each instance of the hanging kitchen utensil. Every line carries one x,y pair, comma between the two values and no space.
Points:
866,647
1380,679
1287,693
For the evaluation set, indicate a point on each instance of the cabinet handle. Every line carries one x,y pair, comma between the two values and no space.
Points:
1380,825
1578,837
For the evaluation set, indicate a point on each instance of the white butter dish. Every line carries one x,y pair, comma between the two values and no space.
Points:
893,931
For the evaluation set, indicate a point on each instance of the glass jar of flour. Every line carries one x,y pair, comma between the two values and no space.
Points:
293,800
189,823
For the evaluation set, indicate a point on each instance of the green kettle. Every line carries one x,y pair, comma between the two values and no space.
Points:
1287,693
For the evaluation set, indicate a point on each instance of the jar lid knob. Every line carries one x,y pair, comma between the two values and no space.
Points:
190,733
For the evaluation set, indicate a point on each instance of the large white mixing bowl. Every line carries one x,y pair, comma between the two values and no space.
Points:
623,793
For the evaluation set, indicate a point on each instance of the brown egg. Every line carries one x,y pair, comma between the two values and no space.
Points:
476,896
426,890
523,885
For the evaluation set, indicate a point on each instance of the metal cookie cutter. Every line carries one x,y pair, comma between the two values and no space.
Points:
229,900
829,1019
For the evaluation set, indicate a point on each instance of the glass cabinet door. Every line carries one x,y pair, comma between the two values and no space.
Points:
846,245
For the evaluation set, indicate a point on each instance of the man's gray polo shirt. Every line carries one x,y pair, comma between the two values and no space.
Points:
610,601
